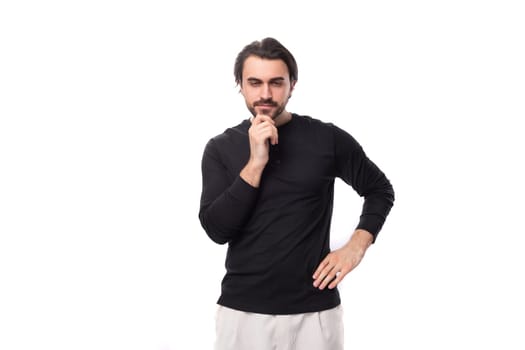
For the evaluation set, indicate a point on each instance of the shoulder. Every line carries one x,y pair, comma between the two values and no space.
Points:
309,121
238,131
230,139
327,131
316,125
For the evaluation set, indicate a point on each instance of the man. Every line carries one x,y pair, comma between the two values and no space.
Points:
267,191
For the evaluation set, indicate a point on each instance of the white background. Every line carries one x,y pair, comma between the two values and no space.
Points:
106,106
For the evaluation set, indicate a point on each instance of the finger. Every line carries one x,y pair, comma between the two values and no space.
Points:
339,277
330,277
260,118
267,131
325,276
320,268
274,139
263,130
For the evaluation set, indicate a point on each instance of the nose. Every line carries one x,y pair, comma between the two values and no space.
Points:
266,92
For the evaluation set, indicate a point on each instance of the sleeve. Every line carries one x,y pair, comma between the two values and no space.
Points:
225,206
356,169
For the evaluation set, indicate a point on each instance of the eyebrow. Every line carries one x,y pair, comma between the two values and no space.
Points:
251,79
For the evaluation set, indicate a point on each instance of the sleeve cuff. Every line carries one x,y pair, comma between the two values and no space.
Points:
243,191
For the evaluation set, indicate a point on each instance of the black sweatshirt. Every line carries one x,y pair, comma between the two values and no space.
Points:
278,233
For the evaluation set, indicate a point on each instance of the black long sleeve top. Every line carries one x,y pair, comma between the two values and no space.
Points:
278,233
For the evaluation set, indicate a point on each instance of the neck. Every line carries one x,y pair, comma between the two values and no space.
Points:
283,118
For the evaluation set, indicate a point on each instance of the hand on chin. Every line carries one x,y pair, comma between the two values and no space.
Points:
264,111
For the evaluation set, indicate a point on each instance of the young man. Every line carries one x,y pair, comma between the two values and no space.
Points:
267,191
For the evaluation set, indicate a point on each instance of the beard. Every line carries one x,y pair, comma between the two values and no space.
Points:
266,106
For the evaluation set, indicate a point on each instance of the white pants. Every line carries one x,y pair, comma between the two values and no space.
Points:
239,330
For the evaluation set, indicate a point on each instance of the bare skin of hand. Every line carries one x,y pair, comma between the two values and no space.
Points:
261,133
338,263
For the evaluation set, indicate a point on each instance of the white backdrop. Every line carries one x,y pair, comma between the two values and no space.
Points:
106,106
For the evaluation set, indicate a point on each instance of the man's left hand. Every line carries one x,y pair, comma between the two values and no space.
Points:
338,263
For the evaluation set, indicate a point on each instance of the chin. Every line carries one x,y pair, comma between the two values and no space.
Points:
266,111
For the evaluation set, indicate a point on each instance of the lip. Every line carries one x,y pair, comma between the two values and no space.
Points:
264,109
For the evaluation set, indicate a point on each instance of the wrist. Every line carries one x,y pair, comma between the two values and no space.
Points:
252,173
361,239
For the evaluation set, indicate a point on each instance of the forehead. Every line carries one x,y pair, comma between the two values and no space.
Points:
264,69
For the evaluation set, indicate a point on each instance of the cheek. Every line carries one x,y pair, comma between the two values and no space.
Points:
284,96
250,96
283,93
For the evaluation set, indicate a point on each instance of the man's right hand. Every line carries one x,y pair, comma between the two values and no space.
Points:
261,133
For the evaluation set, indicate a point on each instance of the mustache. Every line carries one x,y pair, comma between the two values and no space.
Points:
265,103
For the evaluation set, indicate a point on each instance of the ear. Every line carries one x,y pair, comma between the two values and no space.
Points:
292,86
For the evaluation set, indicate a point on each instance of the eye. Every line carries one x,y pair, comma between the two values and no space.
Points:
254,83
277,83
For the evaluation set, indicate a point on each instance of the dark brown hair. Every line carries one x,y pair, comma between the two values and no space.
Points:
268,48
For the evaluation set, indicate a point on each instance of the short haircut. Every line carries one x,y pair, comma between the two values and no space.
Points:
268,48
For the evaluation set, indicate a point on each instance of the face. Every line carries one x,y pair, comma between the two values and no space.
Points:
266,86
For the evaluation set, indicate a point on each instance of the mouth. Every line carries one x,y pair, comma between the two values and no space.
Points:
264,109
265,104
